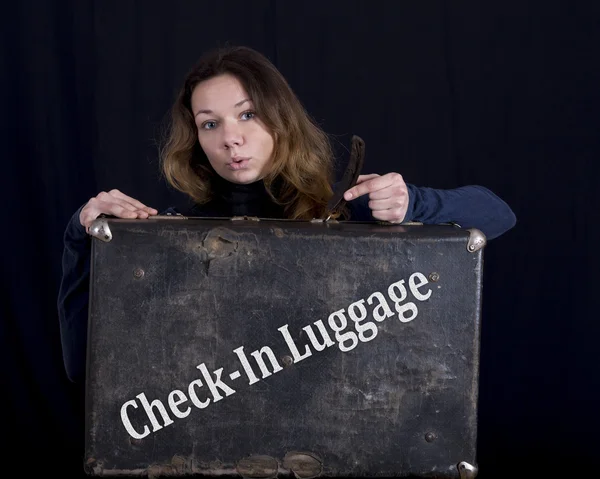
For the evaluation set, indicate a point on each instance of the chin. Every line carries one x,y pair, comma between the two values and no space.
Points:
243,177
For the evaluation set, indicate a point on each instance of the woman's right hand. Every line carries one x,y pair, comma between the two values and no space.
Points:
116,204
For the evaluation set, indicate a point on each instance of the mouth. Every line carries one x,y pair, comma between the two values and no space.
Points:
238,163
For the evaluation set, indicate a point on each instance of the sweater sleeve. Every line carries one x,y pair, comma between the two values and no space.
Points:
72,301
468,206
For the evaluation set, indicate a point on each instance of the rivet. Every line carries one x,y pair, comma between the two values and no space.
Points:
138,273
434,277
287,361
430,437
135,442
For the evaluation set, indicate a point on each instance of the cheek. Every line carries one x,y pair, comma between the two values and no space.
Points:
201,140
207,144
209,148
267,142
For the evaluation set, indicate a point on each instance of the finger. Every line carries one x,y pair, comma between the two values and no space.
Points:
369,186
362,178
116,208
106,198
109,199
386,204
113,209
136,203
395,215
389,192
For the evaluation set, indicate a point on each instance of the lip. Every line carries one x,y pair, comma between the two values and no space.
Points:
238,163
236,159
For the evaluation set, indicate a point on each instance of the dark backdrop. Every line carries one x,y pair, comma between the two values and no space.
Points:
502,94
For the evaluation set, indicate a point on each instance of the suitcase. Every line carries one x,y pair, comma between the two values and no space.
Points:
261,348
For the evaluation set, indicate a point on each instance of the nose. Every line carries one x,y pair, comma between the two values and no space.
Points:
232,135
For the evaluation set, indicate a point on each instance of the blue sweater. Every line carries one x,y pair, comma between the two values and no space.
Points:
468,206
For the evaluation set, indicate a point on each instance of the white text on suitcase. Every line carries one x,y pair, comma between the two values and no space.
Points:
345,338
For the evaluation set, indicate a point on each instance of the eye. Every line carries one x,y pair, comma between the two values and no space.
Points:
248,115
209,125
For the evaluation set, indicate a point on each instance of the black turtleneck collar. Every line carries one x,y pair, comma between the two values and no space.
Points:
231,199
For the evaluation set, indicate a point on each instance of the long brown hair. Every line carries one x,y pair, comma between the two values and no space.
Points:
302,163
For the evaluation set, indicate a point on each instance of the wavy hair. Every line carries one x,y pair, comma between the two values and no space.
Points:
302,163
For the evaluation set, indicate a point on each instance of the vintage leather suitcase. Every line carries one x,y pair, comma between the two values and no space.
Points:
263,348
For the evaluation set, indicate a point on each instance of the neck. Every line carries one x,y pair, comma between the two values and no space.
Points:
232,199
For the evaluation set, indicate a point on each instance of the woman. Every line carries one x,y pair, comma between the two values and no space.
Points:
240,143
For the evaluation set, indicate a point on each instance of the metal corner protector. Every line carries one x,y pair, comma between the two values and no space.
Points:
100,229
477,240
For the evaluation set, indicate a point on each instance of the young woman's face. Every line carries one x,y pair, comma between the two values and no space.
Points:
236,142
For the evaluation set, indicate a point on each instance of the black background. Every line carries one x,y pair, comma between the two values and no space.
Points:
501,94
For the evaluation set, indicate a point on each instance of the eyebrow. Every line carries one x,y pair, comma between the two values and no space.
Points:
237,105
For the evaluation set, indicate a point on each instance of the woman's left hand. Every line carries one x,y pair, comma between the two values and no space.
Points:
388,195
